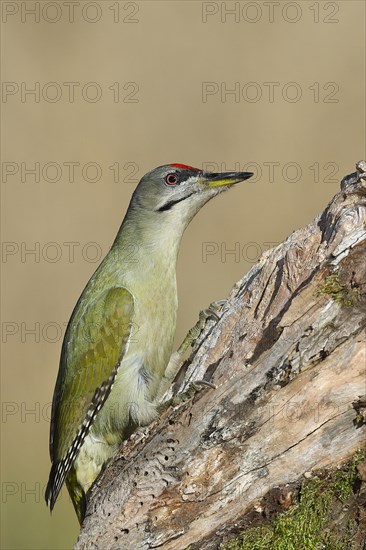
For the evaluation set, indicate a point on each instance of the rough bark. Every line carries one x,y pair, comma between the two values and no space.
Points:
288,360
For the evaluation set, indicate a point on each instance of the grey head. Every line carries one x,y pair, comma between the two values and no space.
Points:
179,191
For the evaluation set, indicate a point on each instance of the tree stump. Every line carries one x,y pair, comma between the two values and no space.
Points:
288,361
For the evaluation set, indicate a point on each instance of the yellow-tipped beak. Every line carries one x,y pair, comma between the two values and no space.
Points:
211,179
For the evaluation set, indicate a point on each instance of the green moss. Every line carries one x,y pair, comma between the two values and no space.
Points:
253,539
344,479
306,525
338,291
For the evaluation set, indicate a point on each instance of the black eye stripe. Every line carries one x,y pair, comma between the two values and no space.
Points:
168,205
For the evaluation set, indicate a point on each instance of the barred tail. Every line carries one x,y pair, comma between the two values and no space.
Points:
53,488
55,482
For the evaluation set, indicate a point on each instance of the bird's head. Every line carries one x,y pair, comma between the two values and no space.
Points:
179,191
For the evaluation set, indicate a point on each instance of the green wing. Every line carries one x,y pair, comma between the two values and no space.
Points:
95,341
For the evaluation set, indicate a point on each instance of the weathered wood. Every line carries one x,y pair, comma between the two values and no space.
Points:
288,361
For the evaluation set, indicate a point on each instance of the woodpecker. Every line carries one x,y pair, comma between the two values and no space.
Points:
118,342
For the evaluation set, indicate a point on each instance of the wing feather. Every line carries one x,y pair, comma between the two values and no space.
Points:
94,344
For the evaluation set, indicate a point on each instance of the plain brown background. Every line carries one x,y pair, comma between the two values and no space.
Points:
168,52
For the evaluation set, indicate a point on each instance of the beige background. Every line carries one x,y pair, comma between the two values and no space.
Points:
167,53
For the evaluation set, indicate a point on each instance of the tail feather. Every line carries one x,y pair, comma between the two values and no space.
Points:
55,482
57,477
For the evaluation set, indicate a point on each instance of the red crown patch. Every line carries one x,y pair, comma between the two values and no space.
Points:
177,165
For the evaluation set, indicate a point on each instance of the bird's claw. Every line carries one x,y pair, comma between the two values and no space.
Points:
193,388
195,332
175,366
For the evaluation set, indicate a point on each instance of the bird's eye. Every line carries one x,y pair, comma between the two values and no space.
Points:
171,179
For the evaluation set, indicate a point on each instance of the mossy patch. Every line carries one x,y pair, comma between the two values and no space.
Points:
339,291
313,522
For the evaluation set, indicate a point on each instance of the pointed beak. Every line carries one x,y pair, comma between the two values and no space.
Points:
212,179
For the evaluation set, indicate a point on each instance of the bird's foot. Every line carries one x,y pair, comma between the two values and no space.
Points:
191,391
182,397
175,364
194,333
